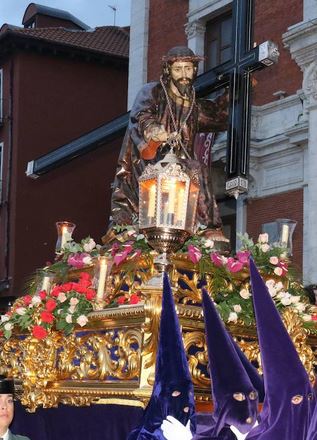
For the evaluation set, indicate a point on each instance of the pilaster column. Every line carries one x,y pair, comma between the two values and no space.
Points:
301,40
195,31
310,192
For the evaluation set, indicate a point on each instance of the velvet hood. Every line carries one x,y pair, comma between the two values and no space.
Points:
289,399
236,385
173,392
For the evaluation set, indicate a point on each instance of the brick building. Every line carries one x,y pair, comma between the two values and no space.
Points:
283,164
59,79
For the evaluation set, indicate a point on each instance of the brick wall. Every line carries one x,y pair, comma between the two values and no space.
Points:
166,30
272,18
268,209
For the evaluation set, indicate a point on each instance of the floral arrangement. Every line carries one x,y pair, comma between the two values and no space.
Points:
68,303
231,281
65,306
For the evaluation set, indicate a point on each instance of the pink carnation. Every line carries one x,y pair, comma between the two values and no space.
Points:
77,260
243,257
234,265
194,253
216,259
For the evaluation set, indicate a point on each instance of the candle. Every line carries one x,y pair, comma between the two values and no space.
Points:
284,235
180,205
66,236
46,283
152,197
171,197
102,277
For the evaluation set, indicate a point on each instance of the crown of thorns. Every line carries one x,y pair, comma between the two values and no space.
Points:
181,53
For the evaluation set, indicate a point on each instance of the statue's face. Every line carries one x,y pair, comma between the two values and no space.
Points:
182,76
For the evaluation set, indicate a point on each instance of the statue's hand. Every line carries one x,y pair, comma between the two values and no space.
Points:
173,429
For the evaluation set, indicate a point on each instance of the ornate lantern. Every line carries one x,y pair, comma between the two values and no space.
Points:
285,233
64,234
168,203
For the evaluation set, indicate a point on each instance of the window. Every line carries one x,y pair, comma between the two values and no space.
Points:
1,95
1,168
218,41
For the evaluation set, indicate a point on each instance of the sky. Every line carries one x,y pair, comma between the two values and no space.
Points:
91,12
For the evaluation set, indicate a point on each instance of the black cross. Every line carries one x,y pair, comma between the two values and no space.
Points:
234,73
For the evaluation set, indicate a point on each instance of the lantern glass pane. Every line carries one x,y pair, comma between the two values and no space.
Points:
192,206
173,209
147,203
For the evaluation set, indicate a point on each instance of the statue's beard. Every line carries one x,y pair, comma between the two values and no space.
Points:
184,88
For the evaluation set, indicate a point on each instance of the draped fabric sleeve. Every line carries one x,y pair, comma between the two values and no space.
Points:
144,115
213,115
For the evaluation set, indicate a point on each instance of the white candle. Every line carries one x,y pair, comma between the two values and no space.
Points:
180,205
102,277
152,197
46,284
171,197
284,235
66,236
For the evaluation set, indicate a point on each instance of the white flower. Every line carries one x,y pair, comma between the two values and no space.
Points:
36,300
274,260
61,297
8,326
306,317
4,318
237,308
233,317
300,307
82,320
283,294
21,311
71,309
270,282
244,293
209,243
278,271
295,299
140,237
69,319
265,247
263,238
74,301
279,286
224,260
87,260
90,245
286,301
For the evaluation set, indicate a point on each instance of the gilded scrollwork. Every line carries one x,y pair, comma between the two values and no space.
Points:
97,356
294,326
198,360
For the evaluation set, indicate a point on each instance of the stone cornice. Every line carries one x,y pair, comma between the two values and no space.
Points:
301,40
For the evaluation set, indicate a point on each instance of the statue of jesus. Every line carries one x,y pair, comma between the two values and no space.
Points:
164,113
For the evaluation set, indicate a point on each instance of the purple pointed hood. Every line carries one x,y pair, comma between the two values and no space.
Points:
289,399
235,396
173,392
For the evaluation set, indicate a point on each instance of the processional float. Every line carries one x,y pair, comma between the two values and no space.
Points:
87,331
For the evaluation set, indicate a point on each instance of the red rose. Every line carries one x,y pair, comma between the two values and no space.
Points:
56,291
39,332
50,305
1,333
90,294
27,299
67,287
84,276
121,300
134,299
42,294
47,317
